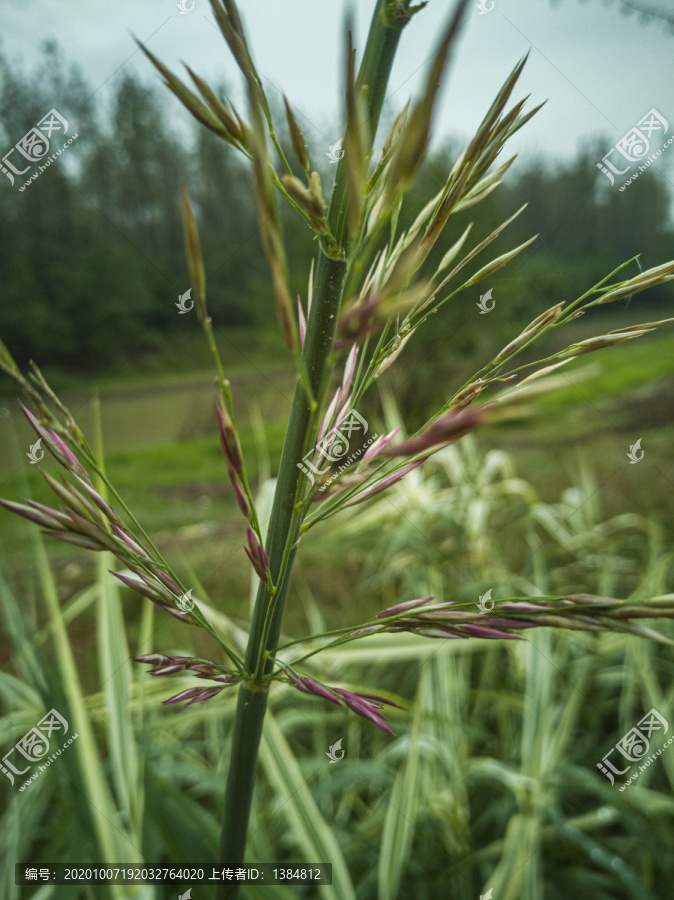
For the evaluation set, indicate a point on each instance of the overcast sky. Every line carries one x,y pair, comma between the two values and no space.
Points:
600,71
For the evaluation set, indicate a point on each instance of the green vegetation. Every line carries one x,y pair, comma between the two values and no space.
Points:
488,774
93,262
495,763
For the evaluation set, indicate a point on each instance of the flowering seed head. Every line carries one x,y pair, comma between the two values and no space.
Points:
398,347
302,321
188,98
294,678
72,498
177,614
102,504
592,600
539,324
195,262
242,500
486,632
365,709
256,554
402,607
155,659
183,695
94,531
228,437
169,582
364,705
46,518
77,539
358,321
297,138
378,699
384,483
368,629
315,688
378,445
448,428
231,123
205,695
436,633
136,584
310,199
157,591
168,670
120,532
67,458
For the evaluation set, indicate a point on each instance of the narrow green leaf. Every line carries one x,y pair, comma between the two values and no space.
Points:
314,836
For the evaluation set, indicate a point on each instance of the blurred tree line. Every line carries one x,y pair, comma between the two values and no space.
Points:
91,255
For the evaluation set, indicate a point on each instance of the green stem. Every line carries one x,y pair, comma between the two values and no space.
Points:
285,522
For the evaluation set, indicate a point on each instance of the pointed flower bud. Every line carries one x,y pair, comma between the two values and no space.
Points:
188,98
72,498
349,371
195,262
233,127
369,629
56,446
297,138
232,450
256,554
446,429
154,659
228,437
402,607
42,518
178,614
384,483
137,584
170,669
102,504
378,445
242,500
365,709
183,695
120,532
302,321
205,695
310,199
367,706
77,540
